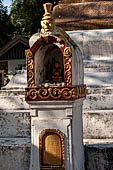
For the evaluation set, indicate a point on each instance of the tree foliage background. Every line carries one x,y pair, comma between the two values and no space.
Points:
6,27
24,18
27,14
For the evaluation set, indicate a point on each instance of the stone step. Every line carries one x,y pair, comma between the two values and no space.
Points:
98,69
96,97
91,63
99,142
99,97
13,102
98,124
15,142
98,102
105,90
14,92
15,157
14,123
98,78
98,65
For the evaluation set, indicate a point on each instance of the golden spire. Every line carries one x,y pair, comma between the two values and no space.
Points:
47,22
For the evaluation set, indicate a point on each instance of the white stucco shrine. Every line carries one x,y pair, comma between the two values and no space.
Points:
55,94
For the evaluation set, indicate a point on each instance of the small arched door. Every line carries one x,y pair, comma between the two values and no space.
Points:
51,149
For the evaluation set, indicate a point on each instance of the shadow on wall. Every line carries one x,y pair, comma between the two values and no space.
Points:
99,157
14,158
49,158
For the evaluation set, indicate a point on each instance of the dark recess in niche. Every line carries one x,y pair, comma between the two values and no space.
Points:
53,63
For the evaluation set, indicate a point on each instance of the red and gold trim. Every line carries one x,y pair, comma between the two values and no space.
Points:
68,66
42,41
67,54
55,93
30,68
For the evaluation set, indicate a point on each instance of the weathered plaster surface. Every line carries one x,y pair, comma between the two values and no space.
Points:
14,123
99,101
14,158
13,101
98,124
14,130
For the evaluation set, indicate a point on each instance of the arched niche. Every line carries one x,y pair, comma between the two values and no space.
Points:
49,65
51,146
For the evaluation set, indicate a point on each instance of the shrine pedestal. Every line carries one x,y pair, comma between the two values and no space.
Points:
54,132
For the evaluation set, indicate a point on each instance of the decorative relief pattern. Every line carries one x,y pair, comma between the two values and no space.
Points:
67,60
30,68
67,52
51,149
55,93
68,66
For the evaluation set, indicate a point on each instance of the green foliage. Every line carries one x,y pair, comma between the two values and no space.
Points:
27,14
6,27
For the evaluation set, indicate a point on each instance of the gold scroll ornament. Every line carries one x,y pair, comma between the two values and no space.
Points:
68,66
67,51
30,67
56,93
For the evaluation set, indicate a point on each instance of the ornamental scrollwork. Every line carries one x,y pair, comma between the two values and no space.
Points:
28,53
44,93
30,68
55,93
67,51
68,66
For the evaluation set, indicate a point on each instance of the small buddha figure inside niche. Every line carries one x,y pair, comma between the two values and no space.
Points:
57,73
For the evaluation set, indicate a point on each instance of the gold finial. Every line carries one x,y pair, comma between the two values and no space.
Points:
47,22
47,8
